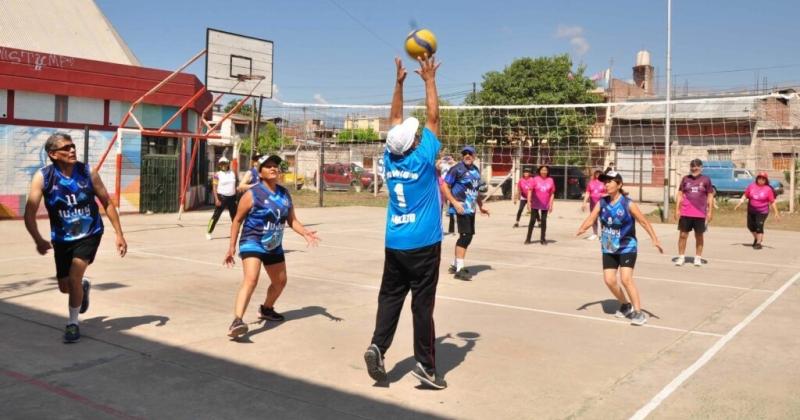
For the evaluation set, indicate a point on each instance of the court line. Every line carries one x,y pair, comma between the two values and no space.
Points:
457,299
710,353
594,273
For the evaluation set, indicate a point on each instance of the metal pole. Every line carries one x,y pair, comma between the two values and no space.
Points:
86,144
375,175
321,183
641,172
667,119
792,184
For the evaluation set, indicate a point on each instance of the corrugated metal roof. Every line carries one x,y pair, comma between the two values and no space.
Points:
739,109
75,28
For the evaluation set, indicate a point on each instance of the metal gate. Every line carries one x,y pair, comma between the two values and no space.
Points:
159,184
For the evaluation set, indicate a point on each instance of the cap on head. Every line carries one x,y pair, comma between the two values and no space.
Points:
275,159
610,175
401,137
468,149
526,169
256,157
763,174
696,162
223,160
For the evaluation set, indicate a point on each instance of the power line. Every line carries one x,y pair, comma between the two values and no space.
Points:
366,28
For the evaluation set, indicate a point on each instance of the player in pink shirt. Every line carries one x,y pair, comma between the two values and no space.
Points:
540,201
595,190
525,185
695,203
760,197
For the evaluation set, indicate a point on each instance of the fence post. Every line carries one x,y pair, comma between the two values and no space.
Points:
792,185
321,183
375,175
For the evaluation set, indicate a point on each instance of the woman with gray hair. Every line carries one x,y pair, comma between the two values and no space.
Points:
71,191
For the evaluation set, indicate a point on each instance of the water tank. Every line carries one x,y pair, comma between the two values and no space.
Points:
643,58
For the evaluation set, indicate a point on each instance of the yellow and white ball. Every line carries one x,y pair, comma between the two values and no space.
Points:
420,42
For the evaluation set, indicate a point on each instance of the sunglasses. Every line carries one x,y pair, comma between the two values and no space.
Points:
467,154
64,148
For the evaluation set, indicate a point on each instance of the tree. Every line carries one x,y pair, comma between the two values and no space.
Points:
357,134
456,126
562,132
268,142
246,109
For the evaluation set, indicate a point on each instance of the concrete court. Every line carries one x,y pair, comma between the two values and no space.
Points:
532,336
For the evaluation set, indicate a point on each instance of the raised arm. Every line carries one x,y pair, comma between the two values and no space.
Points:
244,184
396,113
31,207
427,70
111,212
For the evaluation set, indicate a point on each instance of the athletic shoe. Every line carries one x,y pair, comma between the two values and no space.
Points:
374,360
85,302
451,269
698,262
72,334
638,318
528,242
757,246
237,328
625,311
680,260
755,241
463,274
592,237
429,378
516,225
269,314
543,242
208,236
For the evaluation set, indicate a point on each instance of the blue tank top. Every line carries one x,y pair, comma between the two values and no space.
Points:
254,177
263,227
413,216
70,203
618,226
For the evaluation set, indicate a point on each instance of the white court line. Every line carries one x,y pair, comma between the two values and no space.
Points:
457,299
709,354
569,270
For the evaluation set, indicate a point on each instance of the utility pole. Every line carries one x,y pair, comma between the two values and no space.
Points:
667,122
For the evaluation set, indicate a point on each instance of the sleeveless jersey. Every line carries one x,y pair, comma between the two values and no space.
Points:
70,203
263,227
618,226
254,177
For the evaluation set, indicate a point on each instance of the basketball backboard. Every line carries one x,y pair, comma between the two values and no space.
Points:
238,64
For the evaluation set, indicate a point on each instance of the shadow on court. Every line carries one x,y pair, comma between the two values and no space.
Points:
125,376
475,269
610,307
293,315
449,355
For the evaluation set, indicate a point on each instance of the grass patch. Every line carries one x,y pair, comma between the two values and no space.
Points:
309,198
726,216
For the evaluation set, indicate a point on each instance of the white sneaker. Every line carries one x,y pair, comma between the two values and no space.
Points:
208,236
593,237
680,260
698,262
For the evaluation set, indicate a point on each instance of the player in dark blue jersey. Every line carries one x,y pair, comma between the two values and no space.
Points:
413,231
251,177
618,215
263,210
71,191
460,188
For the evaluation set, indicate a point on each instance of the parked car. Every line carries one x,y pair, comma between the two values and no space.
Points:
729,180
288,179
344,176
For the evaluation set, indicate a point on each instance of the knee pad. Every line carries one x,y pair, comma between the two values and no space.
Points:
464,240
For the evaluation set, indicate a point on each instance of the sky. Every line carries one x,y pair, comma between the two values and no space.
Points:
342,51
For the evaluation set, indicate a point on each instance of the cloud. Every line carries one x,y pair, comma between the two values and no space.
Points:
319,99
575,35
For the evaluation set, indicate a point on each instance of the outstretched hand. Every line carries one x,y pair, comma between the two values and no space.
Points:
229,261
427,68
401,71
311,238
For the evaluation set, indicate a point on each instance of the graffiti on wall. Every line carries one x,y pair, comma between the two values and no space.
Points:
37,60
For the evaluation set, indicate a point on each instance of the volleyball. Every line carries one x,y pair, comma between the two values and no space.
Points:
420,42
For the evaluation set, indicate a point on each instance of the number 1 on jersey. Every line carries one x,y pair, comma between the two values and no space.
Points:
401,197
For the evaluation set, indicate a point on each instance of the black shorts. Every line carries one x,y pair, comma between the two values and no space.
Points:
466,223
688,224
615,261
64,252
266,259
755,222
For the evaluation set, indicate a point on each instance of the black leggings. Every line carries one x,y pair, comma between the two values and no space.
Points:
522,204
451,228
535,216
226,201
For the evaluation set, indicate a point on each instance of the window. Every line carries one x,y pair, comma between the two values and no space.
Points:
782,161
720,154
159,146
62,108
741,174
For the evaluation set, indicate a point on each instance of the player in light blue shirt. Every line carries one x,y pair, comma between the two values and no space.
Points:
413,231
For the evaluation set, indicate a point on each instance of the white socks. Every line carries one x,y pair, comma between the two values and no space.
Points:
459,263
73,315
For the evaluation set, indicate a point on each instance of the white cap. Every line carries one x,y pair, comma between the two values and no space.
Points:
401,137
223,160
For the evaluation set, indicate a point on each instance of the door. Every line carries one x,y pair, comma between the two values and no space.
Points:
159,184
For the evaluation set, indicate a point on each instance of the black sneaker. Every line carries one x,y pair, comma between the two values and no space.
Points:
429,378
72,334
757,246
374,360
463,274
755,241
543,242
269,314
528,242
85,302
451,269
237,328
625,311
516,225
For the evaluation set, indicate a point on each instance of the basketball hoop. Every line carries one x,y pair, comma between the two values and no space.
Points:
246,77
